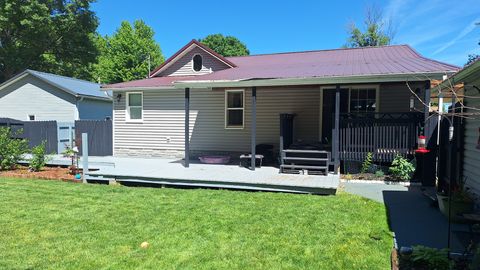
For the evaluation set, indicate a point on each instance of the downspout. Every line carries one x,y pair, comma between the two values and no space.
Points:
77,110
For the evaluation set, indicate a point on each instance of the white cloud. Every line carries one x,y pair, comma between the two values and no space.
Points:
469,28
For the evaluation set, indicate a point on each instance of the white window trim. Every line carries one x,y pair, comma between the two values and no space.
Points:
193,69
127,107
227,109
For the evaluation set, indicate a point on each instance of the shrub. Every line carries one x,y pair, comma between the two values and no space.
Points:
39,157
11,148
426,258
379,174
401,168
367,163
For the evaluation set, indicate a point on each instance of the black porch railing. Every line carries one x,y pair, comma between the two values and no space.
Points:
385,135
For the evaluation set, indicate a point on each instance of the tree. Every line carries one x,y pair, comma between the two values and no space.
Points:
378,31
54,36
126,54
225,45
473,57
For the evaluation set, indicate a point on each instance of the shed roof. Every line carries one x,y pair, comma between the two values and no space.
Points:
336,63
76,87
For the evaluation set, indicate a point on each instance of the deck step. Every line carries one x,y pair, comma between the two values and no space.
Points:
305,159
291,166
305,151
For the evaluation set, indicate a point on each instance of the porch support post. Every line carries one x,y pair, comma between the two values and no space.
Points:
254,126
187,128
426,129
336,133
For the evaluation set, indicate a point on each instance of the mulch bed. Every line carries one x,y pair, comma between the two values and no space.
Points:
367,176
48,173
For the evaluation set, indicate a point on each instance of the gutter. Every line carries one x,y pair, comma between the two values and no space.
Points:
311,80
136,88
459,77
291,81
107,98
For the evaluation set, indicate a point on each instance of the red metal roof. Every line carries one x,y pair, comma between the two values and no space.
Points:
383,60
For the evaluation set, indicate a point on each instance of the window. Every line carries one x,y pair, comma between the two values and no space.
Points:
197,62
234,108
363,100
31,117
134,106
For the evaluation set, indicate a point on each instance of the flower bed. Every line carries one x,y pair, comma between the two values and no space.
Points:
47,173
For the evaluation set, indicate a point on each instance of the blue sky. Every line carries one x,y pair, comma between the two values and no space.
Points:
444,30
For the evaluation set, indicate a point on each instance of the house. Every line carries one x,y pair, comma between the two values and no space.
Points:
464,161
199,102
38,96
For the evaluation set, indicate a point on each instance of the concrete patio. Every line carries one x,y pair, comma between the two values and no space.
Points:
171,172
413,216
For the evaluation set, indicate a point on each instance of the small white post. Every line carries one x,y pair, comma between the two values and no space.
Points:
85,157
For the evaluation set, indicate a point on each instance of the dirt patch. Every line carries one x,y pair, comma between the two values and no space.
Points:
48,173
367,176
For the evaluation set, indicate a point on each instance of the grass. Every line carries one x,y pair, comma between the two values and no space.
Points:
57,225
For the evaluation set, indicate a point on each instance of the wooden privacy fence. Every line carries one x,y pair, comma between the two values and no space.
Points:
59,136
385,135
35,132
100,136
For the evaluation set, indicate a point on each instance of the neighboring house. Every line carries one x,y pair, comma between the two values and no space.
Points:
233,103
469,154
38,96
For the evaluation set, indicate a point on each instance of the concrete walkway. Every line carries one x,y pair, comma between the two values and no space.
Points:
412,215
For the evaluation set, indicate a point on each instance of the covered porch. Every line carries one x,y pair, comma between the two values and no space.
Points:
332,130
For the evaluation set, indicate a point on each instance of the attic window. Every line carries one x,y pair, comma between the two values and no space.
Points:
197,62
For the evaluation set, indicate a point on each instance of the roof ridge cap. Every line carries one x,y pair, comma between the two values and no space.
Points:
60,76
320,50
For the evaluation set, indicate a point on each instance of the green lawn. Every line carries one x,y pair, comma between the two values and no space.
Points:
57,225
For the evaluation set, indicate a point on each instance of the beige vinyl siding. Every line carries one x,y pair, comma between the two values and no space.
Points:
31,96
471,162
184,65
164,119
395,97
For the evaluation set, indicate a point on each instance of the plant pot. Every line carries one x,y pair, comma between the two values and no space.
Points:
457,208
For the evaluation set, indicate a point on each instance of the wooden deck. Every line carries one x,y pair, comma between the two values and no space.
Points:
170,172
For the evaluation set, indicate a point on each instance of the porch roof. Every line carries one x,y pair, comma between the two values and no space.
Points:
353,65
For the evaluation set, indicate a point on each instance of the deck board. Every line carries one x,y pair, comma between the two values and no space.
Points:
171,172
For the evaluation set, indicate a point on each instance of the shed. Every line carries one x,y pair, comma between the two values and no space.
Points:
39,96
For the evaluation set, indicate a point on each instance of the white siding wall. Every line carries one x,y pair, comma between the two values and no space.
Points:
32,96
471,162
162,131
184,65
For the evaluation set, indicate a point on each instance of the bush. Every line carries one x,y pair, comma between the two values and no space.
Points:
426,258
11,148
367,163
39,157
379,173
401,168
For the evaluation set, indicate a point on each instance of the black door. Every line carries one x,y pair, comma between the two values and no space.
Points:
328,111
